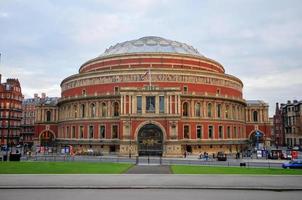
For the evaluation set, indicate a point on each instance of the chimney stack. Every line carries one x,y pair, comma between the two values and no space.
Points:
43,95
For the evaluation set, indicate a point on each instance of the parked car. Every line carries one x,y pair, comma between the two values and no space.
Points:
294,164
221,156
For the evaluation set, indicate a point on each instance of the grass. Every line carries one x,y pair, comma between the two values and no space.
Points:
181,169
62,168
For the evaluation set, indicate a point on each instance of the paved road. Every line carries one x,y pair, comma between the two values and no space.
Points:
152,181
146,194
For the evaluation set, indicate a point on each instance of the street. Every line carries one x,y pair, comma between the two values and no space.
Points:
145,194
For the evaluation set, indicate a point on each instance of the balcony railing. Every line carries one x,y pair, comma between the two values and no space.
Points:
85,96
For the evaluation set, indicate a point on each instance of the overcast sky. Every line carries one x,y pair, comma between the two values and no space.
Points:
44,41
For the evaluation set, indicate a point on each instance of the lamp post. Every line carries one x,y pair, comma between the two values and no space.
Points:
257,139
130,130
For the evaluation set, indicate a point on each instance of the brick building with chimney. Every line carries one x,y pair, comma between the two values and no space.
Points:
10,112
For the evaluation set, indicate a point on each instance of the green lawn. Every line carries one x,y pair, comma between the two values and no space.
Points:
181,169
62,168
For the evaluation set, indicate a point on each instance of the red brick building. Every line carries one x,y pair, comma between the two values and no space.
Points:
279,138
10,112
153,96
28,121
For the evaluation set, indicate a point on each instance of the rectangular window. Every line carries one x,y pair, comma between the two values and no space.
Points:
199,132
90,132
186,132
139,104
211,132
81,131
102,132
185,89
220,132
114,132
73,132
228,132
150,104
161,104
67,132
219,110
239,132
116,90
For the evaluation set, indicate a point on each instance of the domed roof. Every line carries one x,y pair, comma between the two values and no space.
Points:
151,44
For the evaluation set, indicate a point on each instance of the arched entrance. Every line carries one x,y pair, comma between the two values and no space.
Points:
257,139
150,140
47,139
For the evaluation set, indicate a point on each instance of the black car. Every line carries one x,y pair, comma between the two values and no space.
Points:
221,156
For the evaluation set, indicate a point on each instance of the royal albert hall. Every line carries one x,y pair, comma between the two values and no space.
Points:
153,96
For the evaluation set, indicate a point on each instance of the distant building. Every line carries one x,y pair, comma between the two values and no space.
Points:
278,130
46,119
257,121
292,122
28,120
152,96
10,111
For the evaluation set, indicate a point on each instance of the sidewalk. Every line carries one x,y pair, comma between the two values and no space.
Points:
151,181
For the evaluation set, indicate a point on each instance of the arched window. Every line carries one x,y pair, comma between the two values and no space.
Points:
104,109
48,116
197,109
185,109
209,110
255,116
219,110
75,111
92,110
116,110
82,110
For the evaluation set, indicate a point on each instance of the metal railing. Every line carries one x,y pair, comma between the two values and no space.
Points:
157,160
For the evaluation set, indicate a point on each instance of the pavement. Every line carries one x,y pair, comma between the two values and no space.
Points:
151,181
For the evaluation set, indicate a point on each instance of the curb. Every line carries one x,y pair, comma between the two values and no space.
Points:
154,187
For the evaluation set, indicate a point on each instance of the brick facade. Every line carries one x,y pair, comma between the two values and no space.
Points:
195,106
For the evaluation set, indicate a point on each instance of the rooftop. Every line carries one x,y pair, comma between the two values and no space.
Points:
151,44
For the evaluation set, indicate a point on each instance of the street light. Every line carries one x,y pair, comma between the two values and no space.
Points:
130,135
257,139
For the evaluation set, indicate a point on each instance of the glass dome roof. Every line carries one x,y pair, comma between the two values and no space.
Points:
151,44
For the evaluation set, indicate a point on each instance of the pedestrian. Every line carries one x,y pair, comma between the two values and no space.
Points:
185,154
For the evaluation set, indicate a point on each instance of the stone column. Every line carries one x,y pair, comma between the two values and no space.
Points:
175,103
170,104
157,104
122,104
179,104
42,114
130,104
143,104
205,109
167,104
109,106
214,110
134,104
97,106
